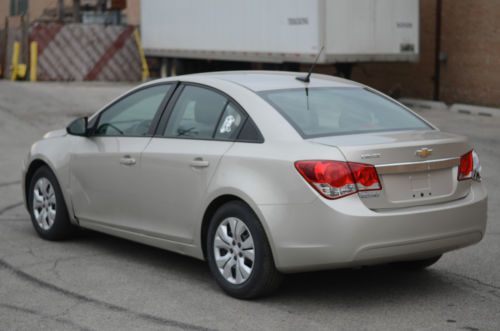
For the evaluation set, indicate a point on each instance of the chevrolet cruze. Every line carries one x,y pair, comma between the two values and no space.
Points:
261,174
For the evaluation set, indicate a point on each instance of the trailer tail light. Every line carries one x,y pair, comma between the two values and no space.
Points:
466,167
337,179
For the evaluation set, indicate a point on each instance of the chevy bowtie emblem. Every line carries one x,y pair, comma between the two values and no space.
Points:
423,152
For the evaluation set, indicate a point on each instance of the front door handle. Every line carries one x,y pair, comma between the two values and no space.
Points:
199,163
127,160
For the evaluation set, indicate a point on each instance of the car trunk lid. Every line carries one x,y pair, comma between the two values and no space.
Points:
417,167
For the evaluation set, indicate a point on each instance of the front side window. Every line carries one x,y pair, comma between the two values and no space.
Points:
197,113
317,112
134,114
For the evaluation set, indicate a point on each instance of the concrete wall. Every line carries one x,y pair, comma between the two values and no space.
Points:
133,12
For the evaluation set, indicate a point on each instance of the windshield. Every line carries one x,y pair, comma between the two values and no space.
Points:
318,112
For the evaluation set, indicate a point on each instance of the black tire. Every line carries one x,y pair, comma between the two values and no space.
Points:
417,264
61,228
264,278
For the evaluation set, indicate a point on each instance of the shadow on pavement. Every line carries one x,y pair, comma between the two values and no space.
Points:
365,286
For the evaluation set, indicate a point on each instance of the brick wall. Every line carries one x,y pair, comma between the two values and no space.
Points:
471,39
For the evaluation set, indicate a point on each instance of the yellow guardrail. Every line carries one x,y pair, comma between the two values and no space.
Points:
17,70
33,61
145,68
14,69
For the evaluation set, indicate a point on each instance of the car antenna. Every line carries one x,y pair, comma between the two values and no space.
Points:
307,79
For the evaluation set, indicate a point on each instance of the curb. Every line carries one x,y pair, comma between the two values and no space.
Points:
424,104
456,108
475,110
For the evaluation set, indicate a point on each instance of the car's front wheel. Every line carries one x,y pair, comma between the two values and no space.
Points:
49,214
239,254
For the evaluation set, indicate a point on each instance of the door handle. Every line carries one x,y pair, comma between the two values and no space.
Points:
127,160
199,163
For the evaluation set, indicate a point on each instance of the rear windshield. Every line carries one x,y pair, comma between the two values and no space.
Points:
318,112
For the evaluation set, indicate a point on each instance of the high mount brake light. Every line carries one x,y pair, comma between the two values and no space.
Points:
337,179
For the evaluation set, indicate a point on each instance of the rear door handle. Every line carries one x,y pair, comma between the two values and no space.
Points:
127,160
199,163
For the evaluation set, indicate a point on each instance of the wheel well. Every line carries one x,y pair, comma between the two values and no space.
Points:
209,212
34,166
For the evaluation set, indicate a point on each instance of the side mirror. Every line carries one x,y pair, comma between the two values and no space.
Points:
78,127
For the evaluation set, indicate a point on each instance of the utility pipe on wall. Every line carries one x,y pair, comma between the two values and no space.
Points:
437,51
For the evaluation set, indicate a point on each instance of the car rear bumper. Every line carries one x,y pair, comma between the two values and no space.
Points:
329,234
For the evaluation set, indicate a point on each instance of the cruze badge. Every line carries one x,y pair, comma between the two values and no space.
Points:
371,156
423,152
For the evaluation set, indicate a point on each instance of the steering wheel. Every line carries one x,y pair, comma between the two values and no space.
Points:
109,125
142,127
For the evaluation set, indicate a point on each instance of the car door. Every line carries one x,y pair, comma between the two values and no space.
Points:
105,167
198,127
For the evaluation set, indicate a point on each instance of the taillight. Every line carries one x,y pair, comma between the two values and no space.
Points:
466,167
366,176
337,179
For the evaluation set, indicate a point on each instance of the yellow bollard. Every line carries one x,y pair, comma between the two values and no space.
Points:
33,60
16,50
145,68
21,70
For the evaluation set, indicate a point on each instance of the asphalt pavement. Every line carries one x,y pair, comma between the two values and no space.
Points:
98,282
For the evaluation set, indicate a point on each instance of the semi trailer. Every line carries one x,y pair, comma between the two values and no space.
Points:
197,35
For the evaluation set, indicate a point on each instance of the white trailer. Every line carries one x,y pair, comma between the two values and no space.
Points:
282,30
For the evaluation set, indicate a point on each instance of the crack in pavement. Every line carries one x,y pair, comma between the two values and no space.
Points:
13,113
10,183
14,218
109,306
476,286
54,318
9,207
477,281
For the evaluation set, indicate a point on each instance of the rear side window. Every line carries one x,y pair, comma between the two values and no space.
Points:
196,113
317,112
229,125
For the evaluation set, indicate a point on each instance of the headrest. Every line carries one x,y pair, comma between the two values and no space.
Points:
208,108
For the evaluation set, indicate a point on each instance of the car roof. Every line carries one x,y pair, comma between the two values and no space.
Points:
258,81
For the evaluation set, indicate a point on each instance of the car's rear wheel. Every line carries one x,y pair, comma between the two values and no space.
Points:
239,254
417,264
49,214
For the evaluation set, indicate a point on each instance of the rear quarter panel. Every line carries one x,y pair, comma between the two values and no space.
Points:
264,175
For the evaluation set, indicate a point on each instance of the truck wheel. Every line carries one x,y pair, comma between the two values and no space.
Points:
238,253
47,208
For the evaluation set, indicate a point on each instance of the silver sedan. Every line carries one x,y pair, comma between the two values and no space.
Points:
261,174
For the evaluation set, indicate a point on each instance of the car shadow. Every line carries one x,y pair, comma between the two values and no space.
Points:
365,286
348,287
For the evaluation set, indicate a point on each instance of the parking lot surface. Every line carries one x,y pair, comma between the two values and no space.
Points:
98,282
